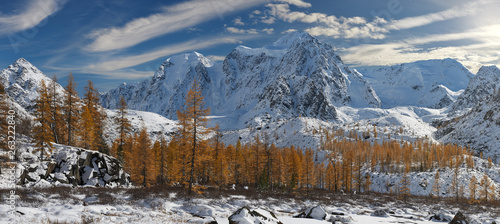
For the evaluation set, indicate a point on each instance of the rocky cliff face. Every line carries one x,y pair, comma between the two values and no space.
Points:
480,87
479,128
295,76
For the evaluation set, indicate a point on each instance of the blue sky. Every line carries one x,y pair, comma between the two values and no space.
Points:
115,41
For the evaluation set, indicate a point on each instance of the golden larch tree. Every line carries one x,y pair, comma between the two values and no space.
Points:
42,132
124,127
193,118
71,111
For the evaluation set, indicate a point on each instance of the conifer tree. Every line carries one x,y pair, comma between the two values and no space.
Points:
404,190
144,159
4,109
43,133
194,121
56,119
161,154
71,110
473,190
436,185
487,189
124,127
91,132
368,182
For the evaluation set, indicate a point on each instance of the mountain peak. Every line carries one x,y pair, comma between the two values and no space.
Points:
190,58
488,69
293,38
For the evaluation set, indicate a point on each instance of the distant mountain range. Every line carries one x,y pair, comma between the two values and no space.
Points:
299,77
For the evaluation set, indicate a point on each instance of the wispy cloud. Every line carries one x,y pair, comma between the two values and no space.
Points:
131,61
249,31
417,21
33,14
298,3
483,49
173,18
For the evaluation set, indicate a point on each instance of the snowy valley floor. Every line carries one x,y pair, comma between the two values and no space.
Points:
171,205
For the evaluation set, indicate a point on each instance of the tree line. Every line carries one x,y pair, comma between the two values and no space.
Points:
195,156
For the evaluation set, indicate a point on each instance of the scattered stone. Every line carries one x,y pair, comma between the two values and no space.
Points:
440,218
245,216
77,167
380,213
459,219
316,212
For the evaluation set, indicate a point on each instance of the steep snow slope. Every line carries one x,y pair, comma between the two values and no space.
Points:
156,125
480,87
431,83
479,128
21,81
295,76
165,92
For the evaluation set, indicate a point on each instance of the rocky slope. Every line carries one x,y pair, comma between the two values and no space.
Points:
295,76
479,128
430,83
480,87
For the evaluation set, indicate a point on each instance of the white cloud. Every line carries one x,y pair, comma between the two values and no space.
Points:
268,30
249,31
173,18
33,14
237,21
484,50
130,61
298,3
268,20
289,31
330,25
216,57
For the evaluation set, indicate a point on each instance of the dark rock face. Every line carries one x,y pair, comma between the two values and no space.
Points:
459,219
77,167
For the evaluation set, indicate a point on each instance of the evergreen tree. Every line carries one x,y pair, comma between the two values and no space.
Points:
71,110
56,119
436,186
42,132
124,127
473,190
91,134
194,119
4,109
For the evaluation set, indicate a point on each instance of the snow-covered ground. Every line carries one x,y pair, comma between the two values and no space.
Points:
172,206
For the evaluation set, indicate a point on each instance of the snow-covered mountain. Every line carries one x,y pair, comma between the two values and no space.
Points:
480,87
479,128
430,83
295,76
21,81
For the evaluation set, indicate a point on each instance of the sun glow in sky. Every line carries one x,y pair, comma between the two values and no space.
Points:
114,41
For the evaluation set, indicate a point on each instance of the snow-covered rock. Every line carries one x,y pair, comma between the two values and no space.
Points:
257,216
317,212
479,128
481,86
430,83
69,166
295,76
